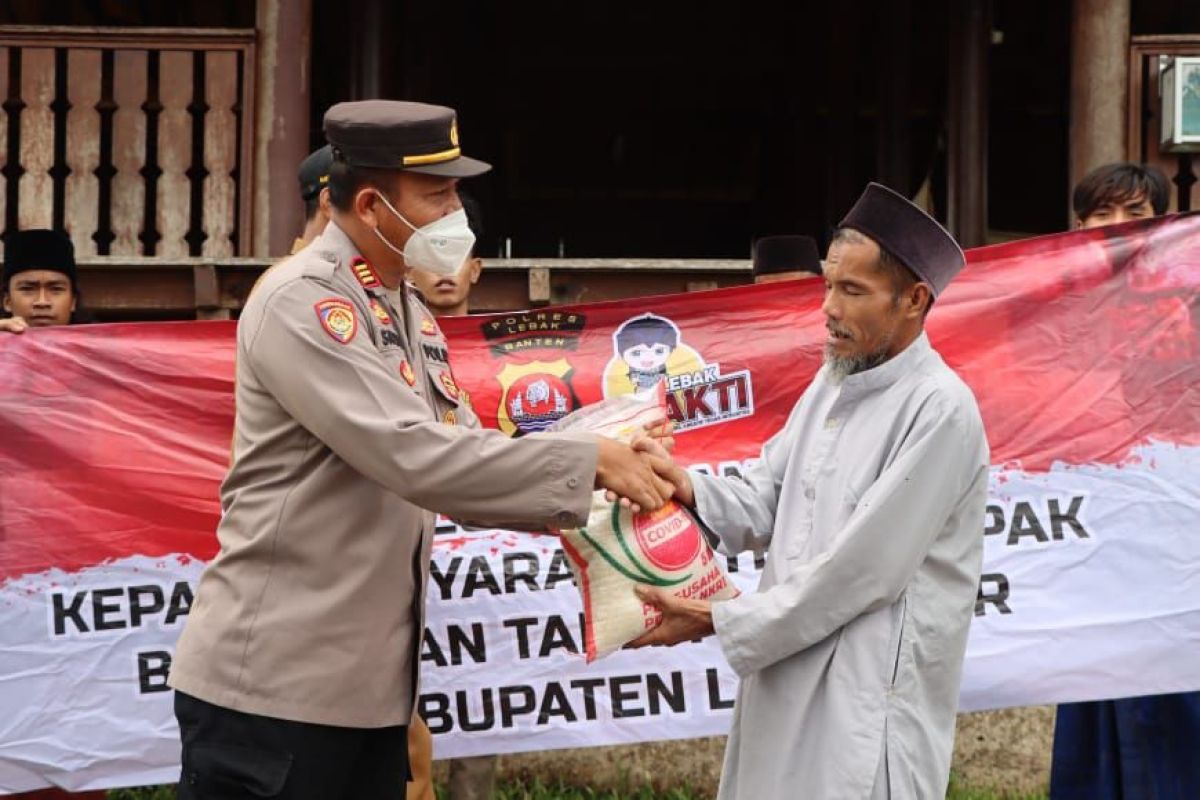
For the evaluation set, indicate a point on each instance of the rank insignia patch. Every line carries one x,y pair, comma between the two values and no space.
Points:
428,327
365,273
406,372
449,385
337,318
380,312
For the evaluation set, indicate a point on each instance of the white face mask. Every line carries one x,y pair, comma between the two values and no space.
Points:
440,247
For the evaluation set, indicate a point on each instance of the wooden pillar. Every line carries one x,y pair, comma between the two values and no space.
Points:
1099,85
377,31
842,184
894,135
967,107
365,67
281,122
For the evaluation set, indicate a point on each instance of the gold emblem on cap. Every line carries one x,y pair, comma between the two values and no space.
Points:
454,132
433,158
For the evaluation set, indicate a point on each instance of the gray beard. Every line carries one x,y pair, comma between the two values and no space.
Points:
841,367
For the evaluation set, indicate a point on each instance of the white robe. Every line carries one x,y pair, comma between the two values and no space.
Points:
850,653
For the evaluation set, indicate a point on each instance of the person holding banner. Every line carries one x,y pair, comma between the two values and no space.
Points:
296,672
1133,747
871,499
40,283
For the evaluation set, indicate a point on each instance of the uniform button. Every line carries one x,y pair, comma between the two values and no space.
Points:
572,483
810,493
565,519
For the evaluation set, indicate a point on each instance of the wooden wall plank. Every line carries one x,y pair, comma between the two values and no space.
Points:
36,197
83,150
3,135
174,152
129,151
220,153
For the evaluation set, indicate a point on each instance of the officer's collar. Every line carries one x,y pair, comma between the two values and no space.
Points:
335,241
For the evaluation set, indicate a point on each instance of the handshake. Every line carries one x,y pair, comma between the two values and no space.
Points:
642,474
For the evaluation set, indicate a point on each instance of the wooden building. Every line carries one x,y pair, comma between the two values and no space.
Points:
638,147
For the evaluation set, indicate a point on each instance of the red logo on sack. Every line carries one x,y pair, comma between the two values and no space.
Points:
669,537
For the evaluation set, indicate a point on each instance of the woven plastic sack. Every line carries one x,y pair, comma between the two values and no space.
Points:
619,549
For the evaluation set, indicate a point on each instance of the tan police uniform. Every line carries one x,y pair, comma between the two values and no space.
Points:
313,608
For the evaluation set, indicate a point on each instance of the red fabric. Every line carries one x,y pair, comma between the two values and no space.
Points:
1079,347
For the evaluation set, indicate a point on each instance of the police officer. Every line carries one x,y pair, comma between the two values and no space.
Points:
471,778
314,193
785,258
295,674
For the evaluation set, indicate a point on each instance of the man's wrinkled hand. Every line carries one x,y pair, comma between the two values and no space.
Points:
630,477
682,620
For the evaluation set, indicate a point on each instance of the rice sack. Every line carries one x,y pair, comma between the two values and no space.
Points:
618,549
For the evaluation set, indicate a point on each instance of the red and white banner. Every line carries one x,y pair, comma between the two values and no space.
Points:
1083,350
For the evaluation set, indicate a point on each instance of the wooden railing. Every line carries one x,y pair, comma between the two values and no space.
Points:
116,289
137,142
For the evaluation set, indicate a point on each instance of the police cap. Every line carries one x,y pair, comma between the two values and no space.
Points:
314,172
394,134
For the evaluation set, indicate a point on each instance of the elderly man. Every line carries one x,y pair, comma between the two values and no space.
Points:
296,674
871,499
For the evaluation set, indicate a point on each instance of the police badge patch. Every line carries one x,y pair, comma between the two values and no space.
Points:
406,372
449,384
337,318
380,312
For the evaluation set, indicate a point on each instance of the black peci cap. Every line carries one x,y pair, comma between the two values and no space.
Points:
39,249
907,232
774,254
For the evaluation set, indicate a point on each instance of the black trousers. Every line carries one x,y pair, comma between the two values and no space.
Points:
230,755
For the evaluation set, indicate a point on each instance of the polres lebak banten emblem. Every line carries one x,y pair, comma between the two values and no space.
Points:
534,395
338,319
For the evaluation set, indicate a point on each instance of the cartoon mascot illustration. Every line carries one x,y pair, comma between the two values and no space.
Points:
646,350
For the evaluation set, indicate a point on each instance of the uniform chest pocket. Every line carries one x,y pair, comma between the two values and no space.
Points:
448,397
402,367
